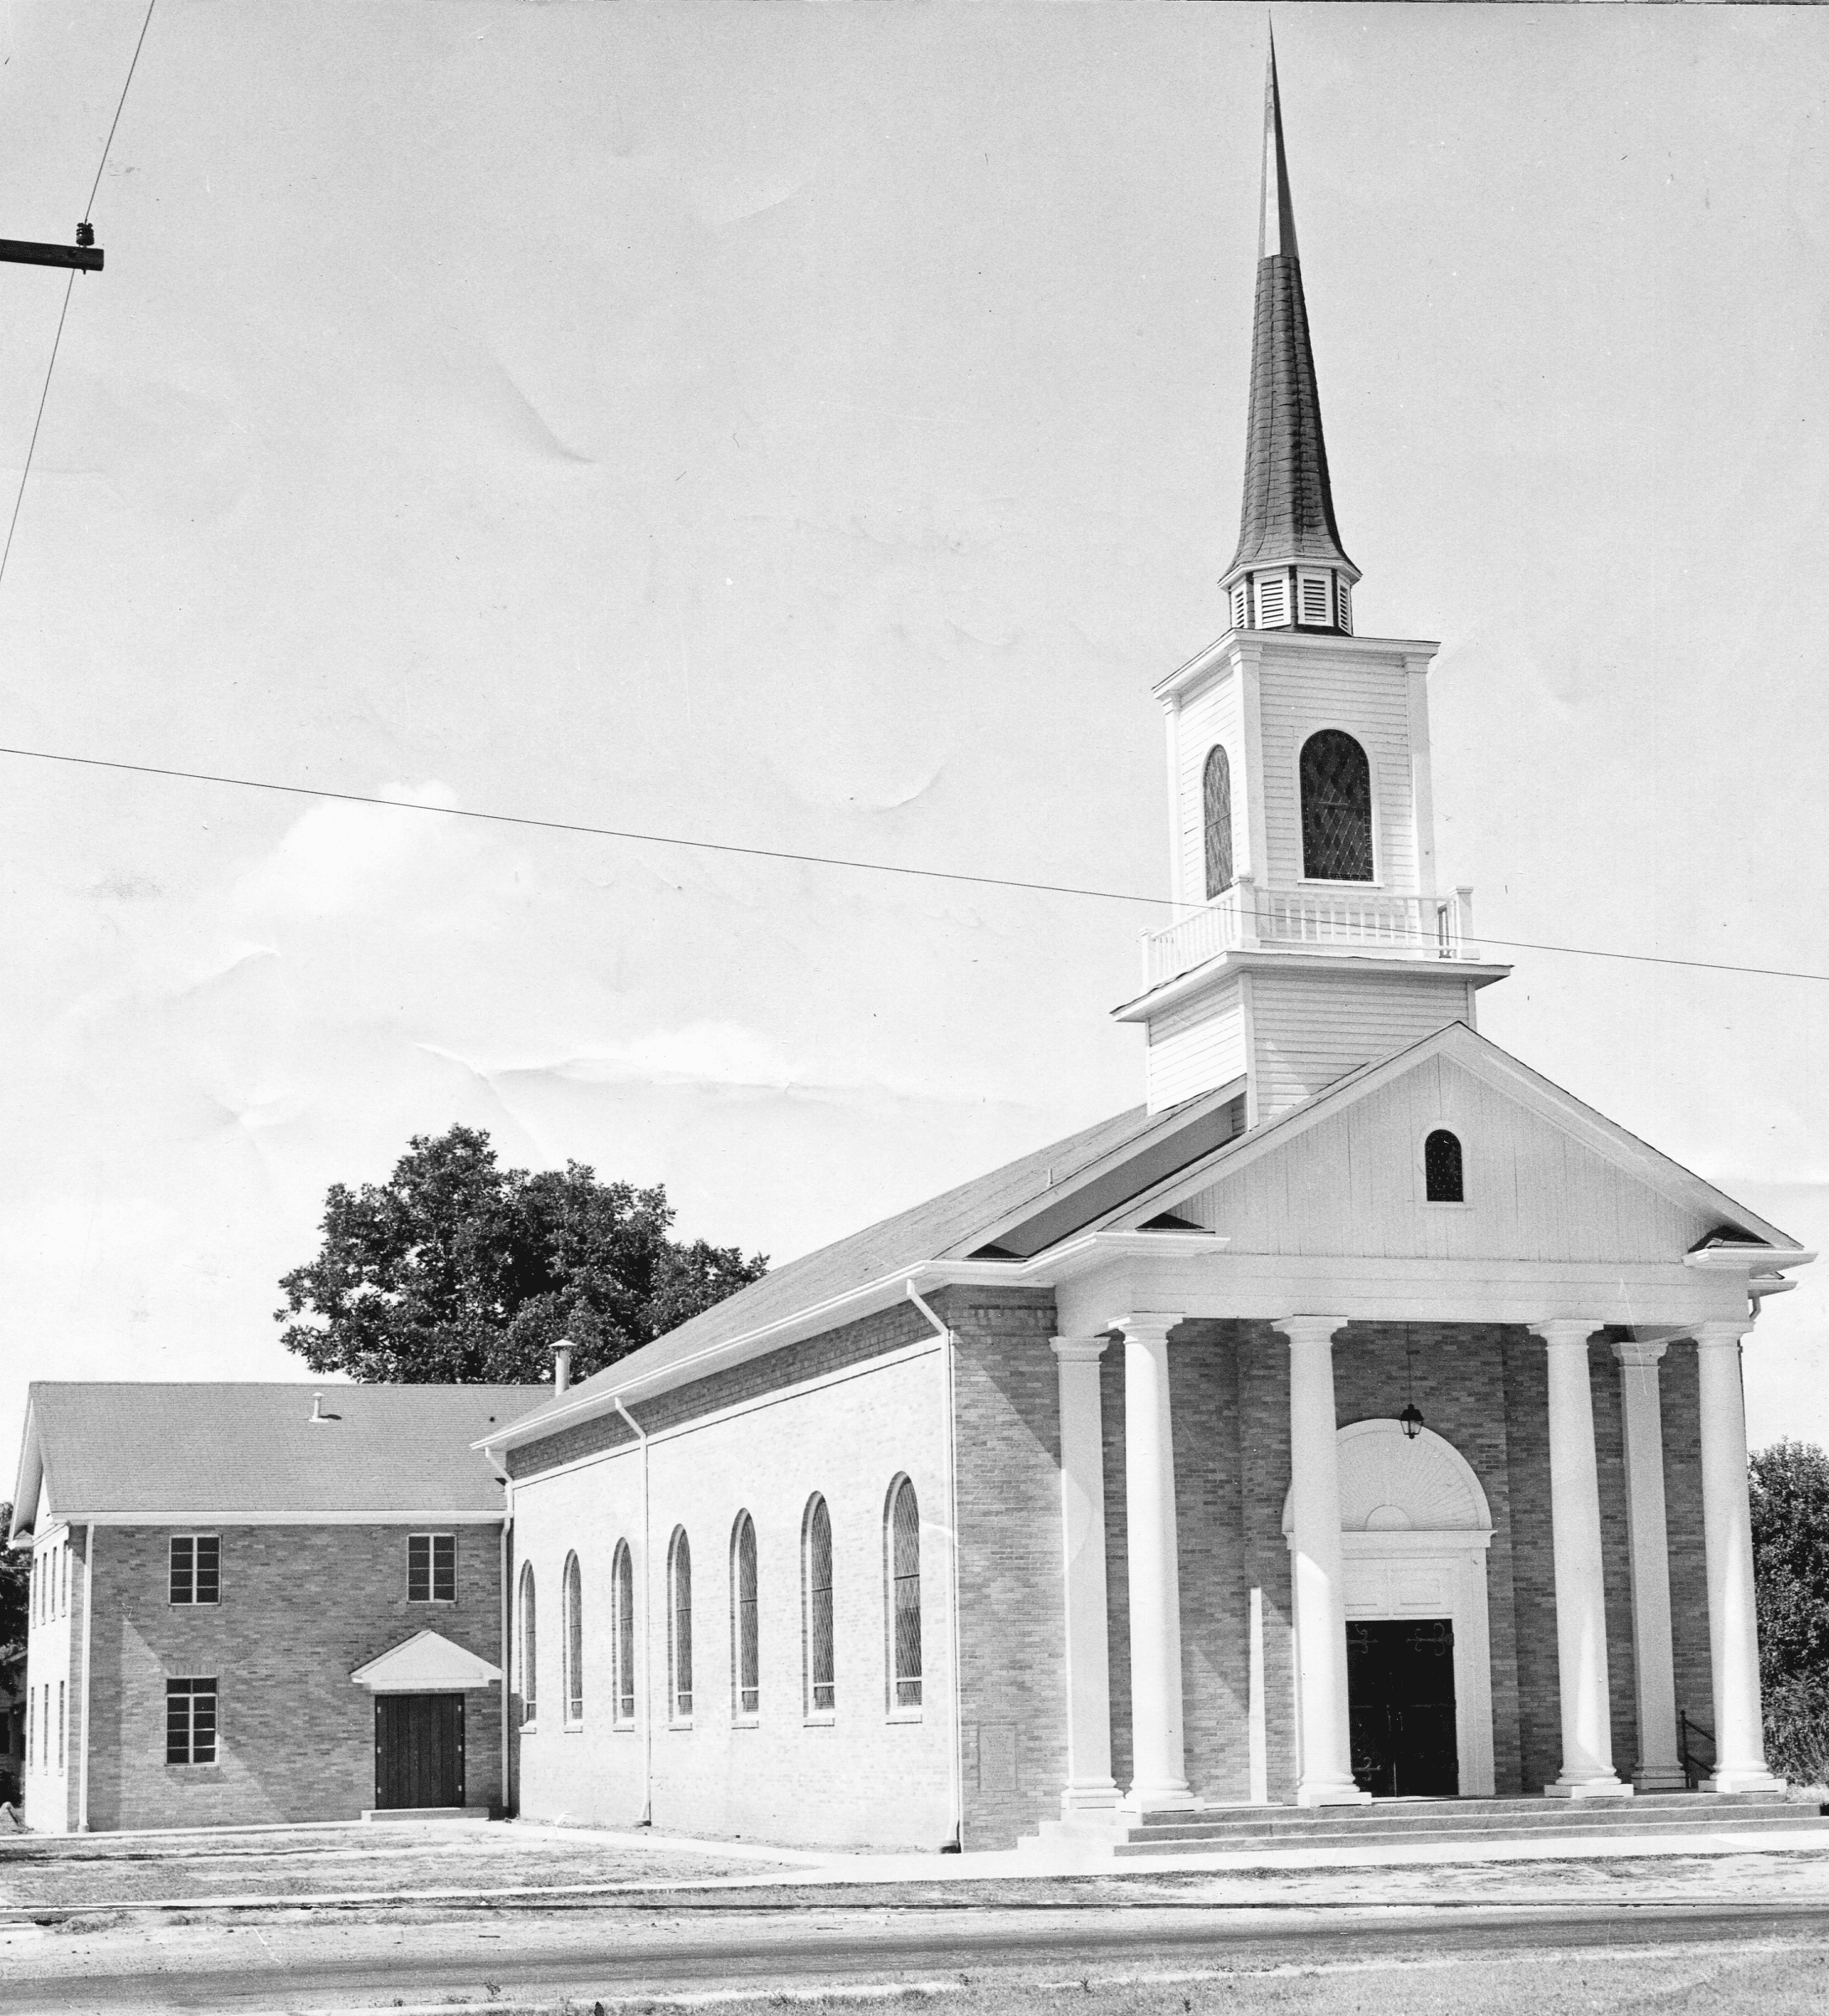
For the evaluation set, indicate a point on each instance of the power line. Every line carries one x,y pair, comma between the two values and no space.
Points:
31,447
18,501
120,107
826,861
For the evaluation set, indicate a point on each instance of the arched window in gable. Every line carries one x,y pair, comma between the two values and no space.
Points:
573,1601
621,1630
1216,817
816,1571
745,1646
529,1664
1444,1175
1336,809
680,1624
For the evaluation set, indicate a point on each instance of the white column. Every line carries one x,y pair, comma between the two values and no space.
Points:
1659,1769
1318,1565
1158,1762
1090,1787
1726,1526
1574,1510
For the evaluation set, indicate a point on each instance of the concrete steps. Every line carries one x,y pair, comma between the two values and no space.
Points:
1398,1822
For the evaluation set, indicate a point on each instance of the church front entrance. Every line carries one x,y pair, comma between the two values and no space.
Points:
1401,1707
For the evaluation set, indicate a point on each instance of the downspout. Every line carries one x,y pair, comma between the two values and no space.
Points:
511,1775
89,1612
955,1778
647,1624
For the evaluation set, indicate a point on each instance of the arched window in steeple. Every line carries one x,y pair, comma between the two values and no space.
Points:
1216,814
1336,809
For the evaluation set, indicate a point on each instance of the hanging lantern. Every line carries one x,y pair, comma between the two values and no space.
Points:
1411,1417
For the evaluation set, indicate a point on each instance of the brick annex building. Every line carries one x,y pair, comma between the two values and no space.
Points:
1360,1416
260,1602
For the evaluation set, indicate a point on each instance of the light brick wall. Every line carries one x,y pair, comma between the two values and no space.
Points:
301,1607
54,1690
1012,1615
866,1775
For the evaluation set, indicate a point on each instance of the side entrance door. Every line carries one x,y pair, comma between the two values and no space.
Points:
1399,1677
418,1750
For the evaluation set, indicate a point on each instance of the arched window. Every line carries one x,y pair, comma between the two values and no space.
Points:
1216,814
745,1660
622,1577
902,1548
816,1577
1336,809
530,1667
1443,1176
573,1600
680,1624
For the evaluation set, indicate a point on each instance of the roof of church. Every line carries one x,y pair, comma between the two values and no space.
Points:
109,1450
954,1224
1287,513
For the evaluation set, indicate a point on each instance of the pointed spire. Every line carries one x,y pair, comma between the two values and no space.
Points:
1277,227
1288,517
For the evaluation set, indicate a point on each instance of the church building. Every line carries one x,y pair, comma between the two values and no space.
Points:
1358,1416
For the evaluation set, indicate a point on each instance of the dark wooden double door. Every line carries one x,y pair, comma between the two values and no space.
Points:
418,1750
1400,1680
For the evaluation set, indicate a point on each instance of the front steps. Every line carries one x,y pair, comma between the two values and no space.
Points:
1232,1830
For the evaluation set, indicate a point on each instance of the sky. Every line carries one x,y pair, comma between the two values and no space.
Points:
817,428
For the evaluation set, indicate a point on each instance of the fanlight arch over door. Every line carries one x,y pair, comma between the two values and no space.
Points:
1414,1529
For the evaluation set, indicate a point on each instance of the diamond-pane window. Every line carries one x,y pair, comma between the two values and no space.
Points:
1216,812
821,1682
905,1595
1443,1182
745,1659
1336,809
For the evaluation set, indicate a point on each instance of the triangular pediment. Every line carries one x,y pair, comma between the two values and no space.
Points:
426,1663
1547,1176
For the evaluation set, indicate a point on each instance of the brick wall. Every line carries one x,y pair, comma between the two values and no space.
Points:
301,1607
1263,1424
1680,1410
1616,1548
1012,1621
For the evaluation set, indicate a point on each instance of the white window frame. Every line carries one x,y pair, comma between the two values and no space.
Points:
193,1602
432,1599
193,1762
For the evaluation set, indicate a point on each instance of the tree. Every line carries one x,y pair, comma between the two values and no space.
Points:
15,1581
1789,1486
457,1270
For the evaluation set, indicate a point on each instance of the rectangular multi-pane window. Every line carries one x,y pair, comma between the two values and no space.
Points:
62,1725
64,1579
431,1568
190,1721
31,1721
195,1568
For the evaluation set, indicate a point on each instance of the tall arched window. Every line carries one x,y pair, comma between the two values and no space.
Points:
1336,809
622,1577
1443,1174
816,1577
1216,815
745,1660
529,1664
680,1624
572,1596
902,1547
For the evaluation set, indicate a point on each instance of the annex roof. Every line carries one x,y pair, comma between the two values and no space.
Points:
118,1452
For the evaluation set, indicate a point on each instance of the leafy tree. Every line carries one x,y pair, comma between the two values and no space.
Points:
1789,1485
457,1270
15,1581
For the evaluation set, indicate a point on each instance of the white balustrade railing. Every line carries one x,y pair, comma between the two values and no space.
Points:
1249,915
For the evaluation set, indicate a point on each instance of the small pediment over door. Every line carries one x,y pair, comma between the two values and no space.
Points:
426,1663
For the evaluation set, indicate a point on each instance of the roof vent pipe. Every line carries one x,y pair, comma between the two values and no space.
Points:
318,1415
561,1366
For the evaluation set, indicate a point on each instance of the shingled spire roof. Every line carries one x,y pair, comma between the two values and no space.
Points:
1289,509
